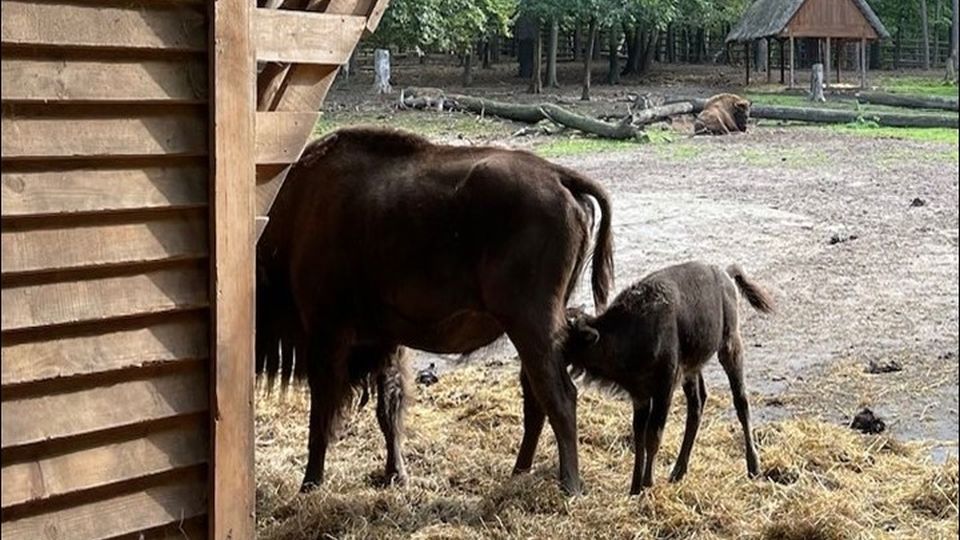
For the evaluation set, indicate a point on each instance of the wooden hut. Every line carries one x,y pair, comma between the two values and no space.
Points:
138,148
831,21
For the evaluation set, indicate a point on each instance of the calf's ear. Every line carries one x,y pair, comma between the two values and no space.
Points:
586,333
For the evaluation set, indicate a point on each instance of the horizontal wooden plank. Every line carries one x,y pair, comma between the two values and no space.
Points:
308,38
43,137
31,306
175,237
43,418
182,339
99,190
136,27
78,81
115,516
281,136
31,481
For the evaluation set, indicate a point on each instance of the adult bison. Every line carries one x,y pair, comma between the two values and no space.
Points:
380,239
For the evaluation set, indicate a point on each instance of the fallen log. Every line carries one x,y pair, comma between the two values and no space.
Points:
833,116
911,102
622,130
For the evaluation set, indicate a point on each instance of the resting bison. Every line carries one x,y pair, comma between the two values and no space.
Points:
723,114
380,239
659,331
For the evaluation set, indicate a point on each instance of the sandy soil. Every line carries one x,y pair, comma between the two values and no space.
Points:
772,200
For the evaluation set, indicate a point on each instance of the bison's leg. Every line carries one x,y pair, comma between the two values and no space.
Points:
391,404
641,415
731,358
659,408
328,378
533,419
692,391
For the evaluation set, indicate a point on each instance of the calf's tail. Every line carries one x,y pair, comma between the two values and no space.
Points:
756,295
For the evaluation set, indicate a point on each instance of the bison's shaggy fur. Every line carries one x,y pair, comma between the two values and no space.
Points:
723,114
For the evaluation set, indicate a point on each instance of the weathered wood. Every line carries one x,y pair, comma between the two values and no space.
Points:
308,38
43,137
43,418
232,63
816,83
381,71
98,190
87,354
281,136
153,240
79,81
375,14
84,26
862,51
831,116
657,114
912,102
793,63
31,306
621,130
305,87
269,181
98,466
260,225
127,513
821,18
826,62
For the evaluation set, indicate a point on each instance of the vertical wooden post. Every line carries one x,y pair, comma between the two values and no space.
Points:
232,180
769,68
749,58
839,58
783,62
792,62
826,62
863,63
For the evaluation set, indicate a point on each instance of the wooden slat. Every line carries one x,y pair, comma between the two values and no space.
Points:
153,240
115,516
31,306
260,223
233,98
29,80
281,136
42,418
42,137
98,190
270,179
309,38
103,465
137,27
375,14
305,88
180,340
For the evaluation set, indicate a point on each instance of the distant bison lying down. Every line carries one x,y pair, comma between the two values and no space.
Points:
723,114
380,239
662,330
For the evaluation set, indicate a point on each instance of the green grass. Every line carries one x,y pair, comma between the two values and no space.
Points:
869,129
923,86
576,146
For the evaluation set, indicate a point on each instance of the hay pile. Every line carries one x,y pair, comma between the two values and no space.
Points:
820,481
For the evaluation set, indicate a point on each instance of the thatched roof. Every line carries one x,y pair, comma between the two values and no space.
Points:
767,18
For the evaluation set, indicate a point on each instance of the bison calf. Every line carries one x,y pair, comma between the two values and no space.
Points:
723,114
658,332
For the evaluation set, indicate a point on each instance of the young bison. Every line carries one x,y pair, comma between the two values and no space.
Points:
723,114
662,330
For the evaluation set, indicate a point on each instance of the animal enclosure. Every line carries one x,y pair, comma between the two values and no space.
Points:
139,147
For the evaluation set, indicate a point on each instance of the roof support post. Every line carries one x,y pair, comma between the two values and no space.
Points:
783,62
863,63
792,64
747,56
769,57
826,62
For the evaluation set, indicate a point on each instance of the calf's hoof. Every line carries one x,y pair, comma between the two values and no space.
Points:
677,475
310,485
573,487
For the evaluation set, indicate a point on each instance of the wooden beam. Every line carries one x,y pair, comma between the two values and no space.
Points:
783,62
261,224
88,26
32,306
281,136
307,38
863,63
98,466
306,87
26,249
232,152
826,62
793,80
269,181
44,137
67,414
122,514
179,340
81,81
375,14
769,59
71,191
749,58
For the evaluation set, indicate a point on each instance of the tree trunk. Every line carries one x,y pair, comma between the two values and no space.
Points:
588,57
613,71
630,35
494,48
536,82
925,31
527,29
954,43
760,55
485,53
552,54
671,44
816,83
898,45
649,47
937,17
468,67
910,102
381,71
577,41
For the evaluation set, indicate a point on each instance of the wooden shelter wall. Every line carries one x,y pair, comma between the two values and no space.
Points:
830,18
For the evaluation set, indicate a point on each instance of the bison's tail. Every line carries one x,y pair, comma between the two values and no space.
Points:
759,298
602,271
278,335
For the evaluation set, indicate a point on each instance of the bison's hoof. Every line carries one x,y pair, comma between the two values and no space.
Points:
573,487
677,475
309,485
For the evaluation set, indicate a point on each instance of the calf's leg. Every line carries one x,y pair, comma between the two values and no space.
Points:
731,358
641,414
533,420
691,390
659,408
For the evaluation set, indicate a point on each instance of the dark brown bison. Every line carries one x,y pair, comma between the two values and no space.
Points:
723,114
662,330
380,239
